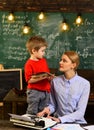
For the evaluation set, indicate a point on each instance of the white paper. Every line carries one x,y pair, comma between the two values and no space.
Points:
89,127
68,127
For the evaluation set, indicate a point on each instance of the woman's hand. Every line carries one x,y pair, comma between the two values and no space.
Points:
46,112
54,119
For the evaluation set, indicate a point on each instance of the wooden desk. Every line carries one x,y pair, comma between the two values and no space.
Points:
7,125
14,98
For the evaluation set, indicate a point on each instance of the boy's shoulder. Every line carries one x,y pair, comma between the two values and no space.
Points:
31,61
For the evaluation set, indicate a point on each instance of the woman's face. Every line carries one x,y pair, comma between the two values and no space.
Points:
66,64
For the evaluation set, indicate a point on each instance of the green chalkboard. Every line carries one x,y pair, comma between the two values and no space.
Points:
13,53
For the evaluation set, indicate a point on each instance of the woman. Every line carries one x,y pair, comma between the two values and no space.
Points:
69,93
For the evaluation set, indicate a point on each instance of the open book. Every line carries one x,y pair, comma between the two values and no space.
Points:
43,74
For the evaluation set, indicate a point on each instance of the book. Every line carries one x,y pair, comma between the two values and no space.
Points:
43,74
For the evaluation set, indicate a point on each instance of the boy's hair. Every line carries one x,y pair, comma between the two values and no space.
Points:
35,42
74,57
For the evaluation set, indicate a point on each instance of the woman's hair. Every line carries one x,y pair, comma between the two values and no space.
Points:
36,43
74,57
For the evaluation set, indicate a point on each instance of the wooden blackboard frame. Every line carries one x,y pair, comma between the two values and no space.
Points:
10,78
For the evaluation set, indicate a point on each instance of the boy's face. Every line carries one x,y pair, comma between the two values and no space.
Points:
40,53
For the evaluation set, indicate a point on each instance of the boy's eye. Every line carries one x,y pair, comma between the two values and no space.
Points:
64,60
43,51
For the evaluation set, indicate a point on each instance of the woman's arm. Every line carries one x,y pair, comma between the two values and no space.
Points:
79,113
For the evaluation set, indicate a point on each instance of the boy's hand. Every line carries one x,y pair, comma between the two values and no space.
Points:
51,77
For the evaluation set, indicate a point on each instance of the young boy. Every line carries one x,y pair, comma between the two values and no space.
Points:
38,88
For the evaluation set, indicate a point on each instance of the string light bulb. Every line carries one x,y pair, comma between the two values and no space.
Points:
11,17
41,15
26,29
79,19
64,25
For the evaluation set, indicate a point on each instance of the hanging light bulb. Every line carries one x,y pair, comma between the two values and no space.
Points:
11,17
79,19
26,29
41,15
64,26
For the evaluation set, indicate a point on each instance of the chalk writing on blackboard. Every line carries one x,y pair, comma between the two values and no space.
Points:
79,38
16,53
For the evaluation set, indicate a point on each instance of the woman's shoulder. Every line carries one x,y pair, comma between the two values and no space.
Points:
82,79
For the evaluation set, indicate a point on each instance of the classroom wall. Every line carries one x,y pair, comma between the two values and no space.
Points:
13,53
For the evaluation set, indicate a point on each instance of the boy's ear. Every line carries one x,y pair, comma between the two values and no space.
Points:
33,50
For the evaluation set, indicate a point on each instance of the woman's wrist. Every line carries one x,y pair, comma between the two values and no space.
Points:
59,121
